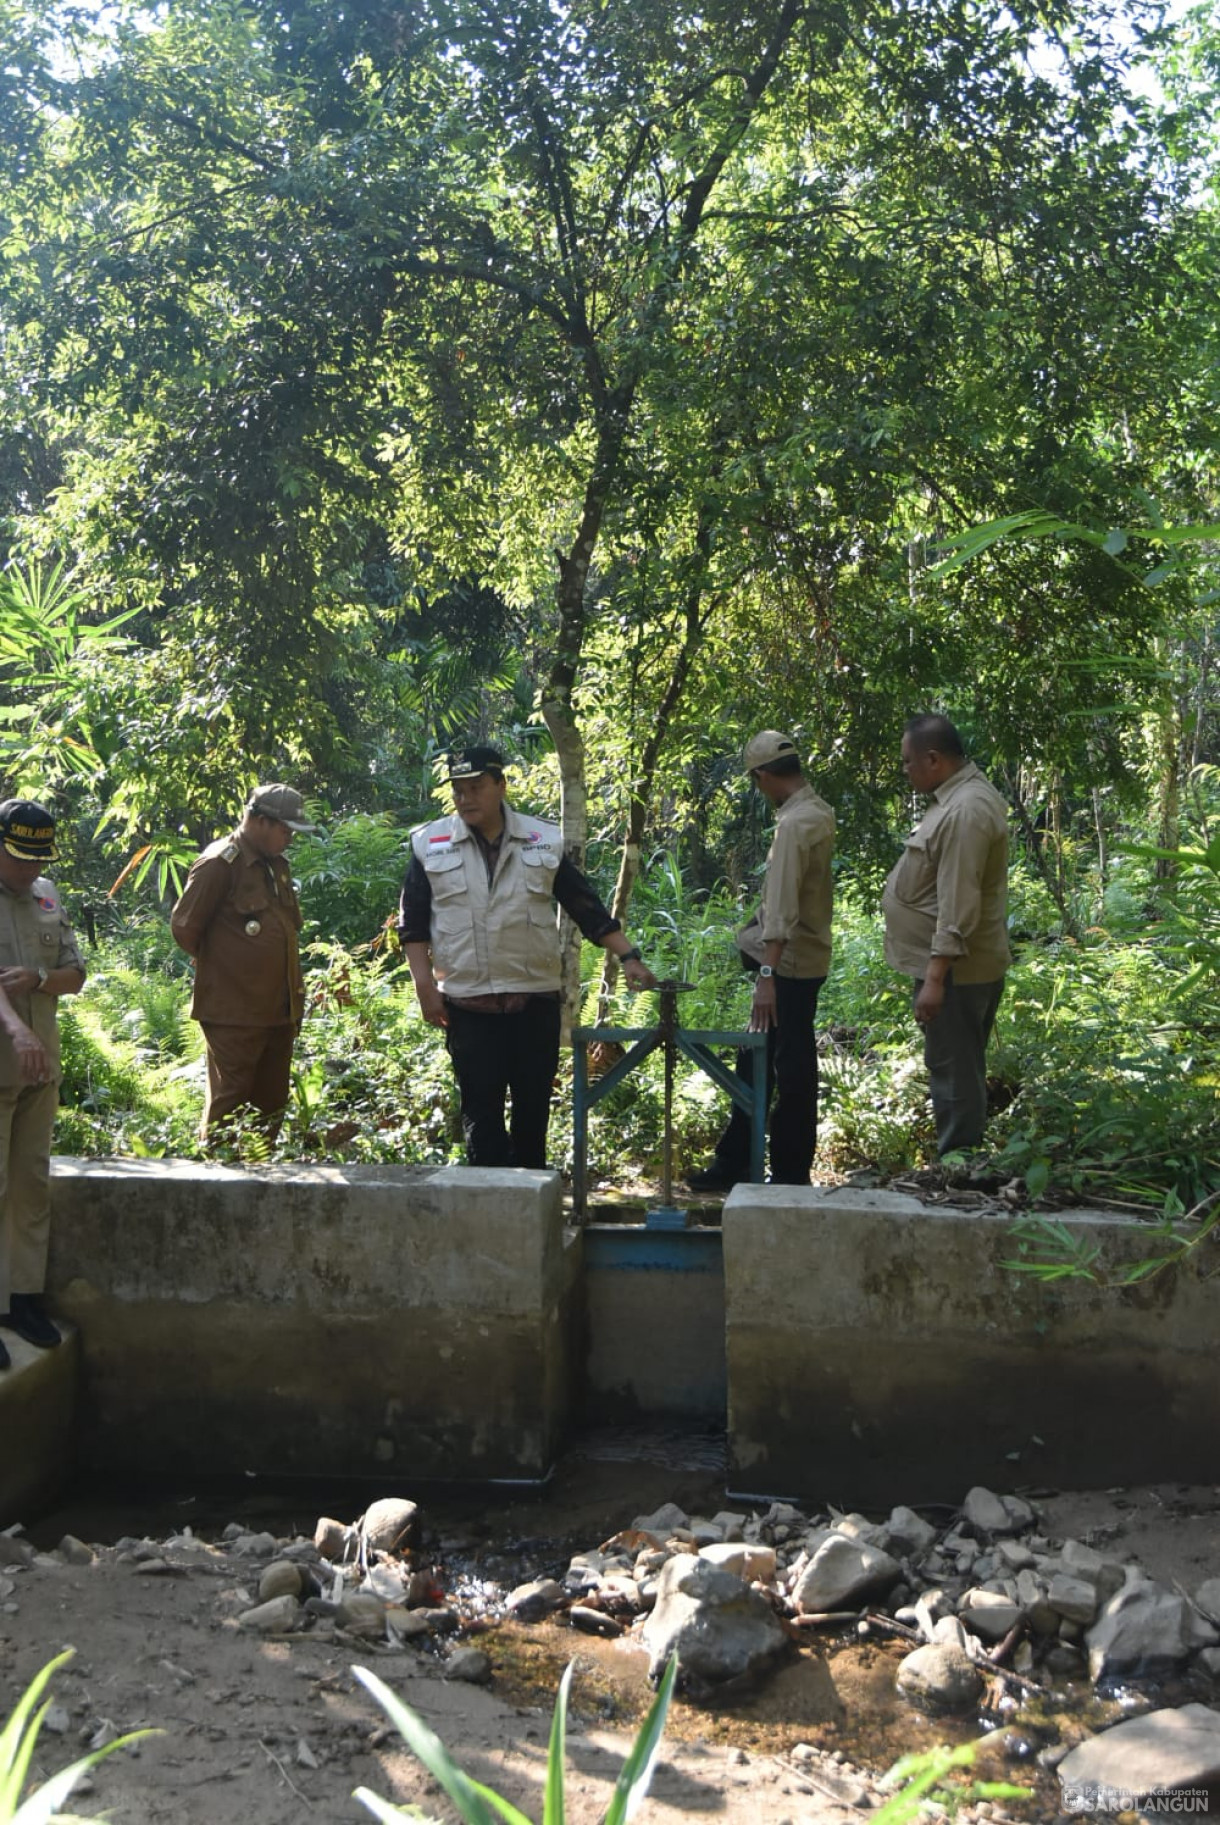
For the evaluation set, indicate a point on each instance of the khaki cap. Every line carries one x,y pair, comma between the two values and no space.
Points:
282,803
767,746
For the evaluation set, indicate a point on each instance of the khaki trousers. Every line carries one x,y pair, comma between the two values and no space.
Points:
27,1121
248,1067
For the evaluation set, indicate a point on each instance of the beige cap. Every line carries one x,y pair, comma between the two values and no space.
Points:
767,746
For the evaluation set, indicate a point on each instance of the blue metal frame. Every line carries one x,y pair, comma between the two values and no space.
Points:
587,1093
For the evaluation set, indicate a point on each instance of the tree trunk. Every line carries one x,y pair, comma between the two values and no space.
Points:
640,792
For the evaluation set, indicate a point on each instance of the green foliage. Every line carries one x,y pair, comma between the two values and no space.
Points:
477,1804
48,654
350,876
18,1740
923,1776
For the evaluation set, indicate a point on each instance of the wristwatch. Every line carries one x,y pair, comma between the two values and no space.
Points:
765,971
631,956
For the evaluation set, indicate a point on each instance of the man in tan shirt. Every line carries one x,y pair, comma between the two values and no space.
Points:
239,919
945,907
39,963
787,946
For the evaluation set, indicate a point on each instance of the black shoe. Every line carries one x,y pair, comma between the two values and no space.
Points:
26,1316
713,1178
6,1361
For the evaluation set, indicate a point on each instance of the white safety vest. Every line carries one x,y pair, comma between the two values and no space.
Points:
499,937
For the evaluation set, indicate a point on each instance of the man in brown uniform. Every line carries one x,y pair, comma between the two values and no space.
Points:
786,947
239,918
945,908
39,962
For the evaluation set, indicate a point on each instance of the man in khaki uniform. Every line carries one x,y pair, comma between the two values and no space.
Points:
239,918
945,907
786,945
39,962
477,921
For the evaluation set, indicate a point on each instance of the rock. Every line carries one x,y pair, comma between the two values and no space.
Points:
74,1552
469,1664
305,1755
389,1525
254,1546
721,1629
406,1624
940,1678
594,1622
661,1522
57,1720
1144,1629
280,1579
1021,1516
744,1561
16,1551
1014,1555
1073,1598
1207,1598
1080,1561
363,1614
1157,1753
989,1515
929,1609
333,1540
841,1573
1031,1595
731,1524
279,1617
531,1602
989,1614
948,1632
908,1534
859,1527
1210,1658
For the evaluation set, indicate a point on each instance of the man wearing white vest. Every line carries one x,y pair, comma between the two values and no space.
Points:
477,922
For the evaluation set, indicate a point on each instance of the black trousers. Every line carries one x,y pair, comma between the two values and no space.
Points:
498,1056
792,1088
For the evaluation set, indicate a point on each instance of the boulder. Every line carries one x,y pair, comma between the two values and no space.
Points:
842,1573
531,1602
1144,1629
907,1534
389,1525
280,1579
661,1522
989,1614
1156,1753
469,1664
940,1678
1073,1598
721,1630
744,1561
1207,1598
279,1617
990,1515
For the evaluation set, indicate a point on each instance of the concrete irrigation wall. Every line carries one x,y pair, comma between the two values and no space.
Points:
878,1350
405,1324
355,1321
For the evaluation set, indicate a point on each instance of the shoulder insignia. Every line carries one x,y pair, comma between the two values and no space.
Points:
230,852
48,902
446,838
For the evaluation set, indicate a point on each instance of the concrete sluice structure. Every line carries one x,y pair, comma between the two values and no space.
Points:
404,1325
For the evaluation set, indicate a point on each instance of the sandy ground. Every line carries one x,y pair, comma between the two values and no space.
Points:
265,1732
